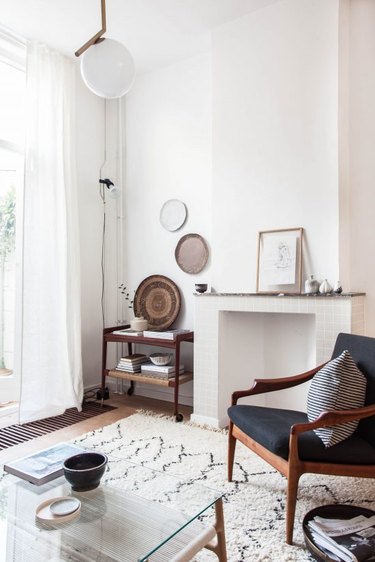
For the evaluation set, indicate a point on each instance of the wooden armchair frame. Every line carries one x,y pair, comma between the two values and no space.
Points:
294,467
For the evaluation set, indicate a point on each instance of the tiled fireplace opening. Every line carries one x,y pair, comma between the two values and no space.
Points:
262,344
239,337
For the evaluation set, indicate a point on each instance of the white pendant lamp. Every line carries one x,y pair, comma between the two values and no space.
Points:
107,67
114,190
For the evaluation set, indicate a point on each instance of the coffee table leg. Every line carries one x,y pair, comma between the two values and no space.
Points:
219,548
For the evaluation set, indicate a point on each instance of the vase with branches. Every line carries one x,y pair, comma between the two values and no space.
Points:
138,323
126,292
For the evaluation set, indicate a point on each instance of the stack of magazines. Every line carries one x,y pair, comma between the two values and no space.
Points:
160,371
348,540
166,335
132,363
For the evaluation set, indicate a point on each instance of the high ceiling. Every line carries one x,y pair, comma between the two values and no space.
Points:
157,32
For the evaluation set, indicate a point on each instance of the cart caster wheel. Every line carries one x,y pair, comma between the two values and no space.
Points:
179,417
130,391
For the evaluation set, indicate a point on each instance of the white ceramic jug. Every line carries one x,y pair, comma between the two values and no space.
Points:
139,324
325,287
311,286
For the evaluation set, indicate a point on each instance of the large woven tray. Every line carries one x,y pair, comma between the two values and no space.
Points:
158,300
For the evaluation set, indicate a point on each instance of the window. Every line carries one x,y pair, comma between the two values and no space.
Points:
12,133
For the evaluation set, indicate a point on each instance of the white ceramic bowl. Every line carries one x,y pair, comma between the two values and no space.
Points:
161,358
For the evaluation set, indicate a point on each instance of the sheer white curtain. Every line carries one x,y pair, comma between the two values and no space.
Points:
51,344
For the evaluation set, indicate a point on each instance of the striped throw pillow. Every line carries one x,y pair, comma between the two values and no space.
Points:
339,385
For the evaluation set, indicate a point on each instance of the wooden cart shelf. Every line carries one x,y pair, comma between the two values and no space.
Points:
140,377
174,345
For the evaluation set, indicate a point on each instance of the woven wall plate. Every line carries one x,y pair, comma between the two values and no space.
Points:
191,253
158,300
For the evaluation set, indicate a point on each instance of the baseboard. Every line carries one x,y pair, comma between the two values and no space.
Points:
213,422
165,396
6,410
9,415
151,391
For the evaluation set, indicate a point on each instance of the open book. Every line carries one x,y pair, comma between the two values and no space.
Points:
348,540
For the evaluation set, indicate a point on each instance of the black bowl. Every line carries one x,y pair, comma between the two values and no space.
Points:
84,471
201,287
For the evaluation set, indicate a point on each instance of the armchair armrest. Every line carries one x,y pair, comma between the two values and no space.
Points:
261,386
329,418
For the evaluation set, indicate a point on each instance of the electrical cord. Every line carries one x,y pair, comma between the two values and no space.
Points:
102,261
94,394
88,394
102,196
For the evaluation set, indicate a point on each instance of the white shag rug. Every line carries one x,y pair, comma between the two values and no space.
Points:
254,503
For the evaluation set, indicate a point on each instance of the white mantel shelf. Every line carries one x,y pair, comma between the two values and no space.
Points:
284,295
242,336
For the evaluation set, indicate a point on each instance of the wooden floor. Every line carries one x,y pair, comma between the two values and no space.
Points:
126,406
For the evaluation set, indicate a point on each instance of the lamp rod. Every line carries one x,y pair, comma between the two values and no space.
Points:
97,36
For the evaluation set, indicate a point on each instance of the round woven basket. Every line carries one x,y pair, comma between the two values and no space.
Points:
158,300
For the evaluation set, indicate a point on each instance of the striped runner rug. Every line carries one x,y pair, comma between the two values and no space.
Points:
16,434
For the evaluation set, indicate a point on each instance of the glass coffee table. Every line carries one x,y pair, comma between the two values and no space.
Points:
136,514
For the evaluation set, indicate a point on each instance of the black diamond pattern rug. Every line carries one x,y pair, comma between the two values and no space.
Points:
254,503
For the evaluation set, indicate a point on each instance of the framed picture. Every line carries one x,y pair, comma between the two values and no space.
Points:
279,268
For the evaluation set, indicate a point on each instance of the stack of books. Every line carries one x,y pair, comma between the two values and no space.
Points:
127,332
167,335
159,371
132,363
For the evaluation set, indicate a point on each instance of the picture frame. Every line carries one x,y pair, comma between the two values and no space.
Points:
279,261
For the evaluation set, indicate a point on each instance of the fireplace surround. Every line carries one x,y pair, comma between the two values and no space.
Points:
239,337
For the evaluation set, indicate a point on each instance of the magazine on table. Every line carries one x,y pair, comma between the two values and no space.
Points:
45,465
160,368
127,332
168,335
351,540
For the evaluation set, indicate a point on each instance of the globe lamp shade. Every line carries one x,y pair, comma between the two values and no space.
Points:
107,69
114,191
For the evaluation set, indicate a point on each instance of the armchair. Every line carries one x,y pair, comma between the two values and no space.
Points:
286,440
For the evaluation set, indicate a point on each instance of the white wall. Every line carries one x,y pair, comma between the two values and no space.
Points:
89,156
168,156
99,134
275,141
270,132
262,112
360,251
247,137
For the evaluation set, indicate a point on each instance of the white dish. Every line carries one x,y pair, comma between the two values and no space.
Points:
173,214
44,514
64,506
161,359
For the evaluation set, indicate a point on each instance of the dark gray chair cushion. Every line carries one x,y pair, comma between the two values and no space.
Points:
270,427
362,349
